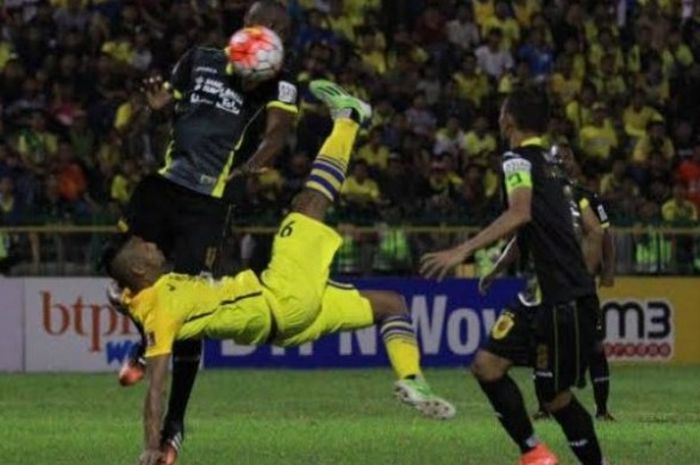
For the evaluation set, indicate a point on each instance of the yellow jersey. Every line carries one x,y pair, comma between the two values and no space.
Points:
181,306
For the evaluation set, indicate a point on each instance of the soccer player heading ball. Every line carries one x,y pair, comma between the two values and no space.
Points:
184,208
291,303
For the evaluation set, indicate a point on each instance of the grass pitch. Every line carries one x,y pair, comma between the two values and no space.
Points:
332,418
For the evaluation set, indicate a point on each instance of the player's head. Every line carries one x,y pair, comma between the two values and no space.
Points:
525,112
271,14
133,262
564,154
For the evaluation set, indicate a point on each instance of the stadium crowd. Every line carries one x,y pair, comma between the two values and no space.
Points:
76,134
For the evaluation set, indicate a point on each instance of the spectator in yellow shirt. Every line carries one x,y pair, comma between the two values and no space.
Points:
681,53
654,82
609,83
504,21
473,85
483,11
564,84
580,111
372,55
598,139
524,10
341,23
36,145
360,190
653,141
374,153
679,209
604,45
637,115
479,143
449,139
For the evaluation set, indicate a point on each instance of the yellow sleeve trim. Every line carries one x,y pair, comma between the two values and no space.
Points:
283,106
605,225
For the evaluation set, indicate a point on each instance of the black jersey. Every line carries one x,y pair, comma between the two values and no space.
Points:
549,238
213,112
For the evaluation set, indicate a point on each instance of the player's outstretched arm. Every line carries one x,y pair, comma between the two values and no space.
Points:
157,373
438,264
510,254
279,125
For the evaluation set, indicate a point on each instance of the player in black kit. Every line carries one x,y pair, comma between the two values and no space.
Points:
181,208
601,255
559,339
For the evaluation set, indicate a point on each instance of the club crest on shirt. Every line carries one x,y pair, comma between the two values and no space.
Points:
503,325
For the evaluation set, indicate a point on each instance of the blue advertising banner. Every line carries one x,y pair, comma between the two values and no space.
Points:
451,319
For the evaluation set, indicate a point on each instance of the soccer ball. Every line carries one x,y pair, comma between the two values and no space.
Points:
255,53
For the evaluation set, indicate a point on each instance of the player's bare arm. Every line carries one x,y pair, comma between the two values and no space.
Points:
438,264
510,254
279,125
607,275
157,373
592,239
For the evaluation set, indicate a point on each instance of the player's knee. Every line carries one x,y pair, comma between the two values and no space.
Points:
386,304
559,401
488,367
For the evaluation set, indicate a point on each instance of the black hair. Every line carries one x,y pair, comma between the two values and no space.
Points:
529,108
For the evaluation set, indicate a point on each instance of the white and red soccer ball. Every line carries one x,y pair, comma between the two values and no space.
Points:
256,53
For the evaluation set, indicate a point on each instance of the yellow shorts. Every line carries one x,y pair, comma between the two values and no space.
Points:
342,309
295,279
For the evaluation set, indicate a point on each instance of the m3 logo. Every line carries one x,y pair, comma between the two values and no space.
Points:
639,329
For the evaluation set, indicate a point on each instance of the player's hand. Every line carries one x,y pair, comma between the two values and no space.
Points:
438,264
607,281
485,283
157,92
245,171
150,457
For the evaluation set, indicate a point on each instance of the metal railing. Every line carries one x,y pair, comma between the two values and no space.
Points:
67,250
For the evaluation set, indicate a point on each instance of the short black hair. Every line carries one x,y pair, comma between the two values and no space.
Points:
529,108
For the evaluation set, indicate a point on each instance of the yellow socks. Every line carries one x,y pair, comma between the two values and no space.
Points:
328,170
401,345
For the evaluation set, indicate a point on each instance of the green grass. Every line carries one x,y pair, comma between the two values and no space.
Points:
331,418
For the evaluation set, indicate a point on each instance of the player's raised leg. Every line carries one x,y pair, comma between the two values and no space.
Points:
304,247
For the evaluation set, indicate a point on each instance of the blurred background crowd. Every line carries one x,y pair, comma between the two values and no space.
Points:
624,79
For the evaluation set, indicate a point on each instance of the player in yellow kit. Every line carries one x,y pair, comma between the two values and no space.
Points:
292,302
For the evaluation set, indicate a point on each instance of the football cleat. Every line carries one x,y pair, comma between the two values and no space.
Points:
171,449
540,455
134,367
340,102
418,394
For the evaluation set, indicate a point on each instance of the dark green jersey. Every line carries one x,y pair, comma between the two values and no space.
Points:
549,238
213,113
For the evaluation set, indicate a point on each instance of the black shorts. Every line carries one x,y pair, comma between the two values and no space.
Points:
556,340
187,226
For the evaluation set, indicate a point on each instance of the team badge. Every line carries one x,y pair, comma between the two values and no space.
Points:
503,325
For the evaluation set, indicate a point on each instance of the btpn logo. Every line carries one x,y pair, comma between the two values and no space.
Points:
95,323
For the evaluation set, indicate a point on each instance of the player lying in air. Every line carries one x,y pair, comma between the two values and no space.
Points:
292,302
